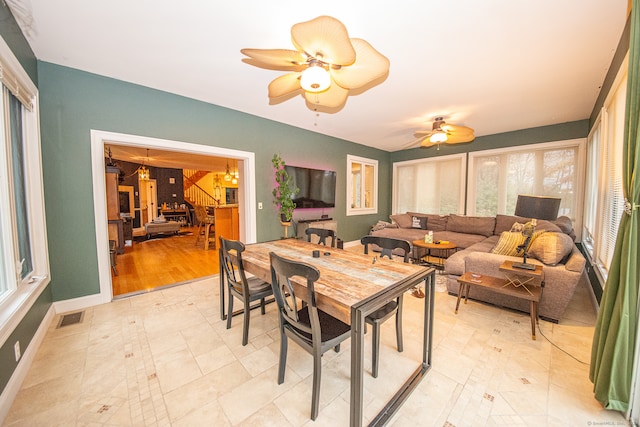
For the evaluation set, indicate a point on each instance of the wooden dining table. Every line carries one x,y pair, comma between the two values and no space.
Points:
350,287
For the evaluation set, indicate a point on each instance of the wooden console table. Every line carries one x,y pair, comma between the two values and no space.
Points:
503,286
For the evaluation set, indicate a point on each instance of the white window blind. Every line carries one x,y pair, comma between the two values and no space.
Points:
433,185
497,177
604,200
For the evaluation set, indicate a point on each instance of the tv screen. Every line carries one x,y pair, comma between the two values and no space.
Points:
317,187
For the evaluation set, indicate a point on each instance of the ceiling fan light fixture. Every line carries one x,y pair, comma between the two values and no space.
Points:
315,78
438,137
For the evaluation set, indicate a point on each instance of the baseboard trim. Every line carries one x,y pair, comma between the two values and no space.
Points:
22,369
79,303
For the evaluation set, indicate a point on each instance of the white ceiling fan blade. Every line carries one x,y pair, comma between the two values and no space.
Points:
275,59
333,97
369,66
284,85
326,36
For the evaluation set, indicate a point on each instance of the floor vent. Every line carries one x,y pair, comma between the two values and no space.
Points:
70,319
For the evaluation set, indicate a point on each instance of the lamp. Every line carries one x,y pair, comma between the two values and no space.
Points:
143,171
527,231
315,78
539,207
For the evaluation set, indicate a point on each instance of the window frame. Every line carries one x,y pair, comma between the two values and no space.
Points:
350,211
579,143
21,294
463,177
608,139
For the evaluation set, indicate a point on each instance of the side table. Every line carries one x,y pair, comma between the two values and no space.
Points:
502,286
446,249
519,277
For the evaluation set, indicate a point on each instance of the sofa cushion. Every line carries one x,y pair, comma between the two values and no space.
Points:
403,220
551,247
508,243
461,240
419,222
435,222
505,222
564,223
472,224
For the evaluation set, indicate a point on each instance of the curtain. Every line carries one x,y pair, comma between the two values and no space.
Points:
614,343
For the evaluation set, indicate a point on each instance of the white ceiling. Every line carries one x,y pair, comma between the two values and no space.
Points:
493,65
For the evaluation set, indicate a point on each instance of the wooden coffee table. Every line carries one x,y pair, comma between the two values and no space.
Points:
502,286
435,261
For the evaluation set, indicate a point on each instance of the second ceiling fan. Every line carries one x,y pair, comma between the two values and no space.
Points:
442,132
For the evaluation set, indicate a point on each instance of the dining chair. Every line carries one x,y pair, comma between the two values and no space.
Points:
245,289
387,245
206,222
323,234
313,329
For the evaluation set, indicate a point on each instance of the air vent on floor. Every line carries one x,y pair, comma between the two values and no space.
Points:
70,319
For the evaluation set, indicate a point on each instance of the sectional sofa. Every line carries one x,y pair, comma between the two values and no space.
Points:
485,242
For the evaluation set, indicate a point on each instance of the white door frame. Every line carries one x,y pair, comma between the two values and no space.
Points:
99,139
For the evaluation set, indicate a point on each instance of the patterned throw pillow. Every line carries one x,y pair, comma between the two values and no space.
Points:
419,222
508,243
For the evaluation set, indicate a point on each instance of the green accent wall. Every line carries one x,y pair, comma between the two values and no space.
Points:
24,333
74,102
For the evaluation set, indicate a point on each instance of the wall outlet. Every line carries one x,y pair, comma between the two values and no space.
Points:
16,350
259,205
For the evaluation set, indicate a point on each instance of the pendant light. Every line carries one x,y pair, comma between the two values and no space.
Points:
234,180
143,171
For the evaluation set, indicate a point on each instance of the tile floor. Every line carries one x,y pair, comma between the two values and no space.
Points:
165,358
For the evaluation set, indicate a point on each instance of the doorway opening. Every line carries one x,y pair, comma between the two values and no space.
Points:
100,139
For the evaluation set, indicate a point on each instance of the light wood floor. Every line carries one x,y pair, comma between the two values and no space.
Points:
163,261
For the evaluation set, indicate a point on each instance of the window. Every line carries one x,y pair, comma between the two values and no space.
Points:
24,266
496,177
434,185
362,186
604,200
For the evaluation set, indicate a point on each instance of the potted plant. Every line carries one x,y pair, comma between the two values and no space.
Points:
283,192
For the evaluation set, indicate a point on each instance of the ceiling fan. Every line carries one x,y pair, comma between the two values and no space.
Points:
442,132
325,66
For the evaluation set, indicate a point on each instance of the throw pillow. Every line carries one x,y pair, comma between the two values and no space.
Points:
551,247
517,227
381,225
508,243
419,222
403,220
564,223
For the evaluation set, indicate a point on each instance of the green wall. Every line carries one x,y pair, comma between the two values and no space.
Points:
74,102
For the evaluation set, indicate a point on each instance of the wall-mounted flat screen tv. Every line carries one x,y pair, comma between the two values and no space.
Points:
317,187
